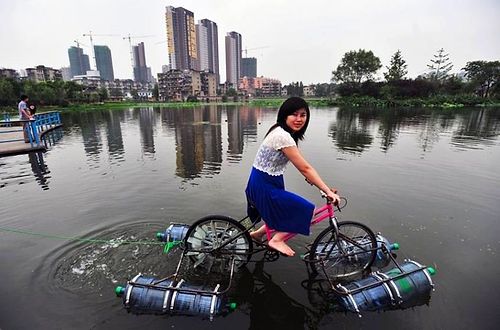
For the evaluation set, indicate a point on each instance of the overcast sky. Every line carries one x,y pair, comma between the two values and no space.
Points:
302,40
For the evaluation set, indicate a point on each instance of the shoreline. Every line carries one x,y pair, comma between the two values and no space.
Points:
347,102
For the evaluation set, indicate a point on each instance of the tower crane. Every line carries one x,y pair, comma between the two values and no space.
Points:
129,37
78,43
247,49
91,35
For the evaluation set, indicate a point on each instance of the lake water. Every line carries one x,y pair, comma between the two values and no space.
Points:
428,179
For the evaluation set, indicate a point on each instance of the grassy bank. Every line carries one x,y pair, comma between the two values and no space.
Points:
351,101
440,101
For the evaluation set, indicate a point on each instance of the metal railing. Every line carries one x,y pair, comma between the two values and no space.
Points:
33,128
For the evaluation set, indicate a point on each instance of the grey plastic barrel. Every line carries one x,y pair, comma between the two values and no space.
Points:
174,233
389,290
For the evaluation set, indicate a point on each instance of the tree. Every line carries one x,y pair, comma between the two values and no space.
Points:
231,92
156,92
440,66
7,93
397,69
103,94
72,90
356,67
483,75
134,94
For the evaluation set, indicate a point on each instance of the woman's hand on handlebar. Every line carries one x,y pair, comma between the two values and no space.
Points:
332,196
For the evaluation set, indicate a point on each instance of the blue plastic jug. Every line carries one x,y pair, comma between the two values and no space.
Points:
383,259
167,297
174,233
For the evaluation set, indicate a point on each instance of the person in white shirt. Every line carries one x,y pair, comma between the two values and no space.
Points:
281,210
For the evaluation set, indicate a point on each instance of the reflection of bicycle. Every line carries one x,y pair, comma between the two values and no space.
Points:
342,250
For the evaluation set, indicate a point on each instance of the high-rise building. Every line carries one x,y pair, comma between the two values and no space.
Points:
181,39
104,62
142,73
208,47
233,58
249,67
78,61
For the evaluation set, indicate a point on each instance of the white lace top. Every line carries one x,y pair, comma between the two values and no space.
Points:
270,159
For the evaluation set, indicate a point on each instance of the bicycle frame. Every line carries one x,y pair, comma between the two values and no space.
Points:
319,215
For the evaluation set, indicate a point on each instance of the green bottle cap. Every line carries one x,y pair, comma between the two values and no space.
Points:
431,270
119,290
232,306
159,235
395,246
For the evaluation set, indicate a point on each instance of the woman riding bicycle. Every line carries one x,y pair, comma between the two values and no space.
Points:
281,210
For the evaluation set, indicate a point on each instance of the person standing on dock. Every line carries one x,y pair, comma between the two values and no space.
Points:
24,114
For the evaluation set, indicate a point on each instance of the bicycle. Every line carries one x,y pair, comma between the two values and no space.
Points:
342,250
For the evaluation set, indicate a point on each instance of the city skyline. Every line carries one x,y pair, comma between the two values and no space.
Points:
303,42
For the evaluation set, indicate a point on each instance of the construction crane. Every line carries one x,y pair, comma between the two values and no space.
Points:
247,49
129,37
78,43
91,35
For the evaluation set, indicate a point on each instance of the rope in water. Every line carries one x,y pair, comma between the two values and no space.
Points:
79,239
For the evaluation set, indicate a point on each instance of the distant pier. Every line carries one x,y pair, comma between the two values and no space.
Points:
12,133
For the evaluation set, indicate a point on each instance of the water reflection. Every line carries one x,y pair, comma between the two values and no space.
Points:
354,129
91,134
198,140
478,127
268,305
114,134
40,169
351,131
241,123
146,127
16,171
200,146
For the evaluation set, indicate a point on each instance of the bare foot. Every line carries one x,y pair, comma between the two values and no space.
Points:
282,247
256,235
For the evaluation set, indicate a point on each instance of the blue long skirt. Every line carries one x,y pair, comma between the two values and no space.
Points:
280,209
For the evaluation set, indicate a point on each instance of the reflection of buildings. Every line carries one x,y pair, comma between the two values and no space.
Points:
241,124
114,133
146,123
198,139
91,134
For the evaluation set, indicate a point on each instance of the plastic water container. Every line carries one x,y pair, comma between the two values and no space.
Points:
415,288
139,298
174,233
389,290
358,255
378,297
355,253
167,297
382,259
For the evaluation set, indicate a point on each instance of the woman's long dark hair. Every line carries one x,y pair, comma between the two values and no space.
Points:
288,107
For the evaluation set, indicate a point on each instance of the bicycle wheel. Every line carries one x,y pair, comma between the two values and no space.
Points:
214,240
349,254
